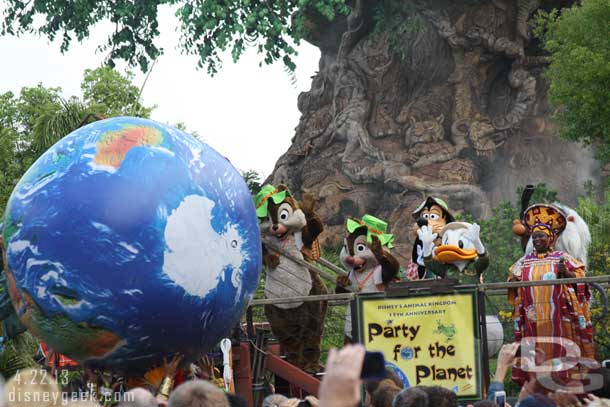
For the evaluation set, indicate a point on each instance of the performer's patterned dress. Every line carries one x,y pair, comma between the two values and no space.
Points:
552,311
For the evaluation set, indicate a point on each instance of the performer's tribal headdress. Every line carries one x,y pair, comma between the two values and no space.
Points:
545,218
374,226
575,238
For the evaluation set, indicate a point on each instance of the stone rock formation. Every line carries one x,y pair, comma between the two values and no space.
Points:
454,108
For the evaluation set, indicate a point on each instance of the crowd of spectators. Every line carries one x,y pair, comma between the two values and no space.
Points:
341,386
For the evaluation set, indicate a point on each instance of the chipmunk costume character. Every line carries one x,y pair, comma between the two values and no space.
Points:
461,251
294,227
371,268
434,213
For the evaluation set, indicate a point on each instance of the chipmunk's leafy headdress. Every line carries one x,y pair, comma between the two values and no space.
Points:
261,200
374,226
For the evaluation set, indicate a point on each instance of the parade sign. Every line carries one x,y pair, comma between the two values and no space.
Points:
429,340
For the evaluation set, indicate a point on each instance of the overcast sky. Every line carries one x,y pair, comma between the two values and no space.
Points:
246,112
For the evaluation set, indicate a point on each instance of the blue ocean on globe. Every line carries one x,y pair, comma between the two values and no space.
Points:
129,241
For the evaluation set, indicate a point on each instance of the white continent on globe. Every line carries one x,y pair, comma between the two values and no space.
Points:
192,244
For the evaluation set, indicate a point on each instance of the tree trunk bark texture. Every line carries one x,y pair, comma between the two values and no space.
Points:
453,106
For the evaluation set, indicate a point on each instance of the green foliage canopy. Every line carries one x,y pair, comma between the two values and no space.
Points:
578,39
38,117
208,27
108,93
253,181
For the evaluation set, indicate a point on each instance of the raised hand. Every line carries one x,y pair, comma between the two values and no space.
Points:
341,385
170,368
427,237
206,368
507,354
474,235
376,248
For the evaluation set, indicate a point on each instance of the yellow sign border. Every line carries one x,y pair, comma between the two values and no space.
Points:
358,316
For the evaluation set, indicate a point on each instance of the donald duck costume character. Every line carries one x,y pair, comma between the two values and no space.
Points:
460,253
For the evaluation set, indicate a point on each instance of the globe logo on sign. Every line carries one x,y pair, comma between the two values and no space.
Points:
406,353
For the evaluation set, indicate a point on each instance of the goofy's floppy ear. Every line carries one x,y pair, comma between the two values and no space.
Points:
282,187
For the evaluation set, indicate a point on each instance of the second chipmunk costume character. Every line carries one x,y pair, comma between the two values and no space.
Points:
293,227
371,268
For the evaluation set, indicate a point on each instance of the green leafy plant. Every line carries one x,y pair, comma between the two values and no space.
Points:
578,40
397,20
208,27
18,354
253,181
38,117
109,93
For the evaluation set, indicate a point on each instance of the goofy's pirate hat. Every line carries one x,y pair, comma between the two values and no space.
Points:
428,203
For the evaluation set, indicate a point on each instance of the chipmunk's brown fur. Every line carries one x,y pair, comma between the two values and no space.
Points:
310,226
295,226
374,255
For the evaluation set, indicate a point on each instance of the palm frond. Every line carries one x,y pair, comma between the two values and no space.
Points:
53,124
18,354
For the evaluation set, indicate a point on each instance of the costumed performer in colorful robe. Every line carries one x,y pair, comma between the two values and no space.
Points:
550,311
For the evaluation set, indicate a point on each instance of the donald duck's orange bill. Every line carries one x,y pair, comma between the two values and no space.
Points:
451,253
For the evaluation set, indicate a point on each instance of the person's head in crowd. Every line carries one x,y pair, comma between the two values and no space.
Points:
534,394
532,386
563,399
138,397
88,403
295,402
371,385
485,403
412,397
426,396
197,393
384,395
32,388
441,397
236,401
274,400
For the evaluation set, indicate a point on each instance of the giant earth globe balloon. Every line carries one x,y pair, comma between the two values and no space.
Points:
129,241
